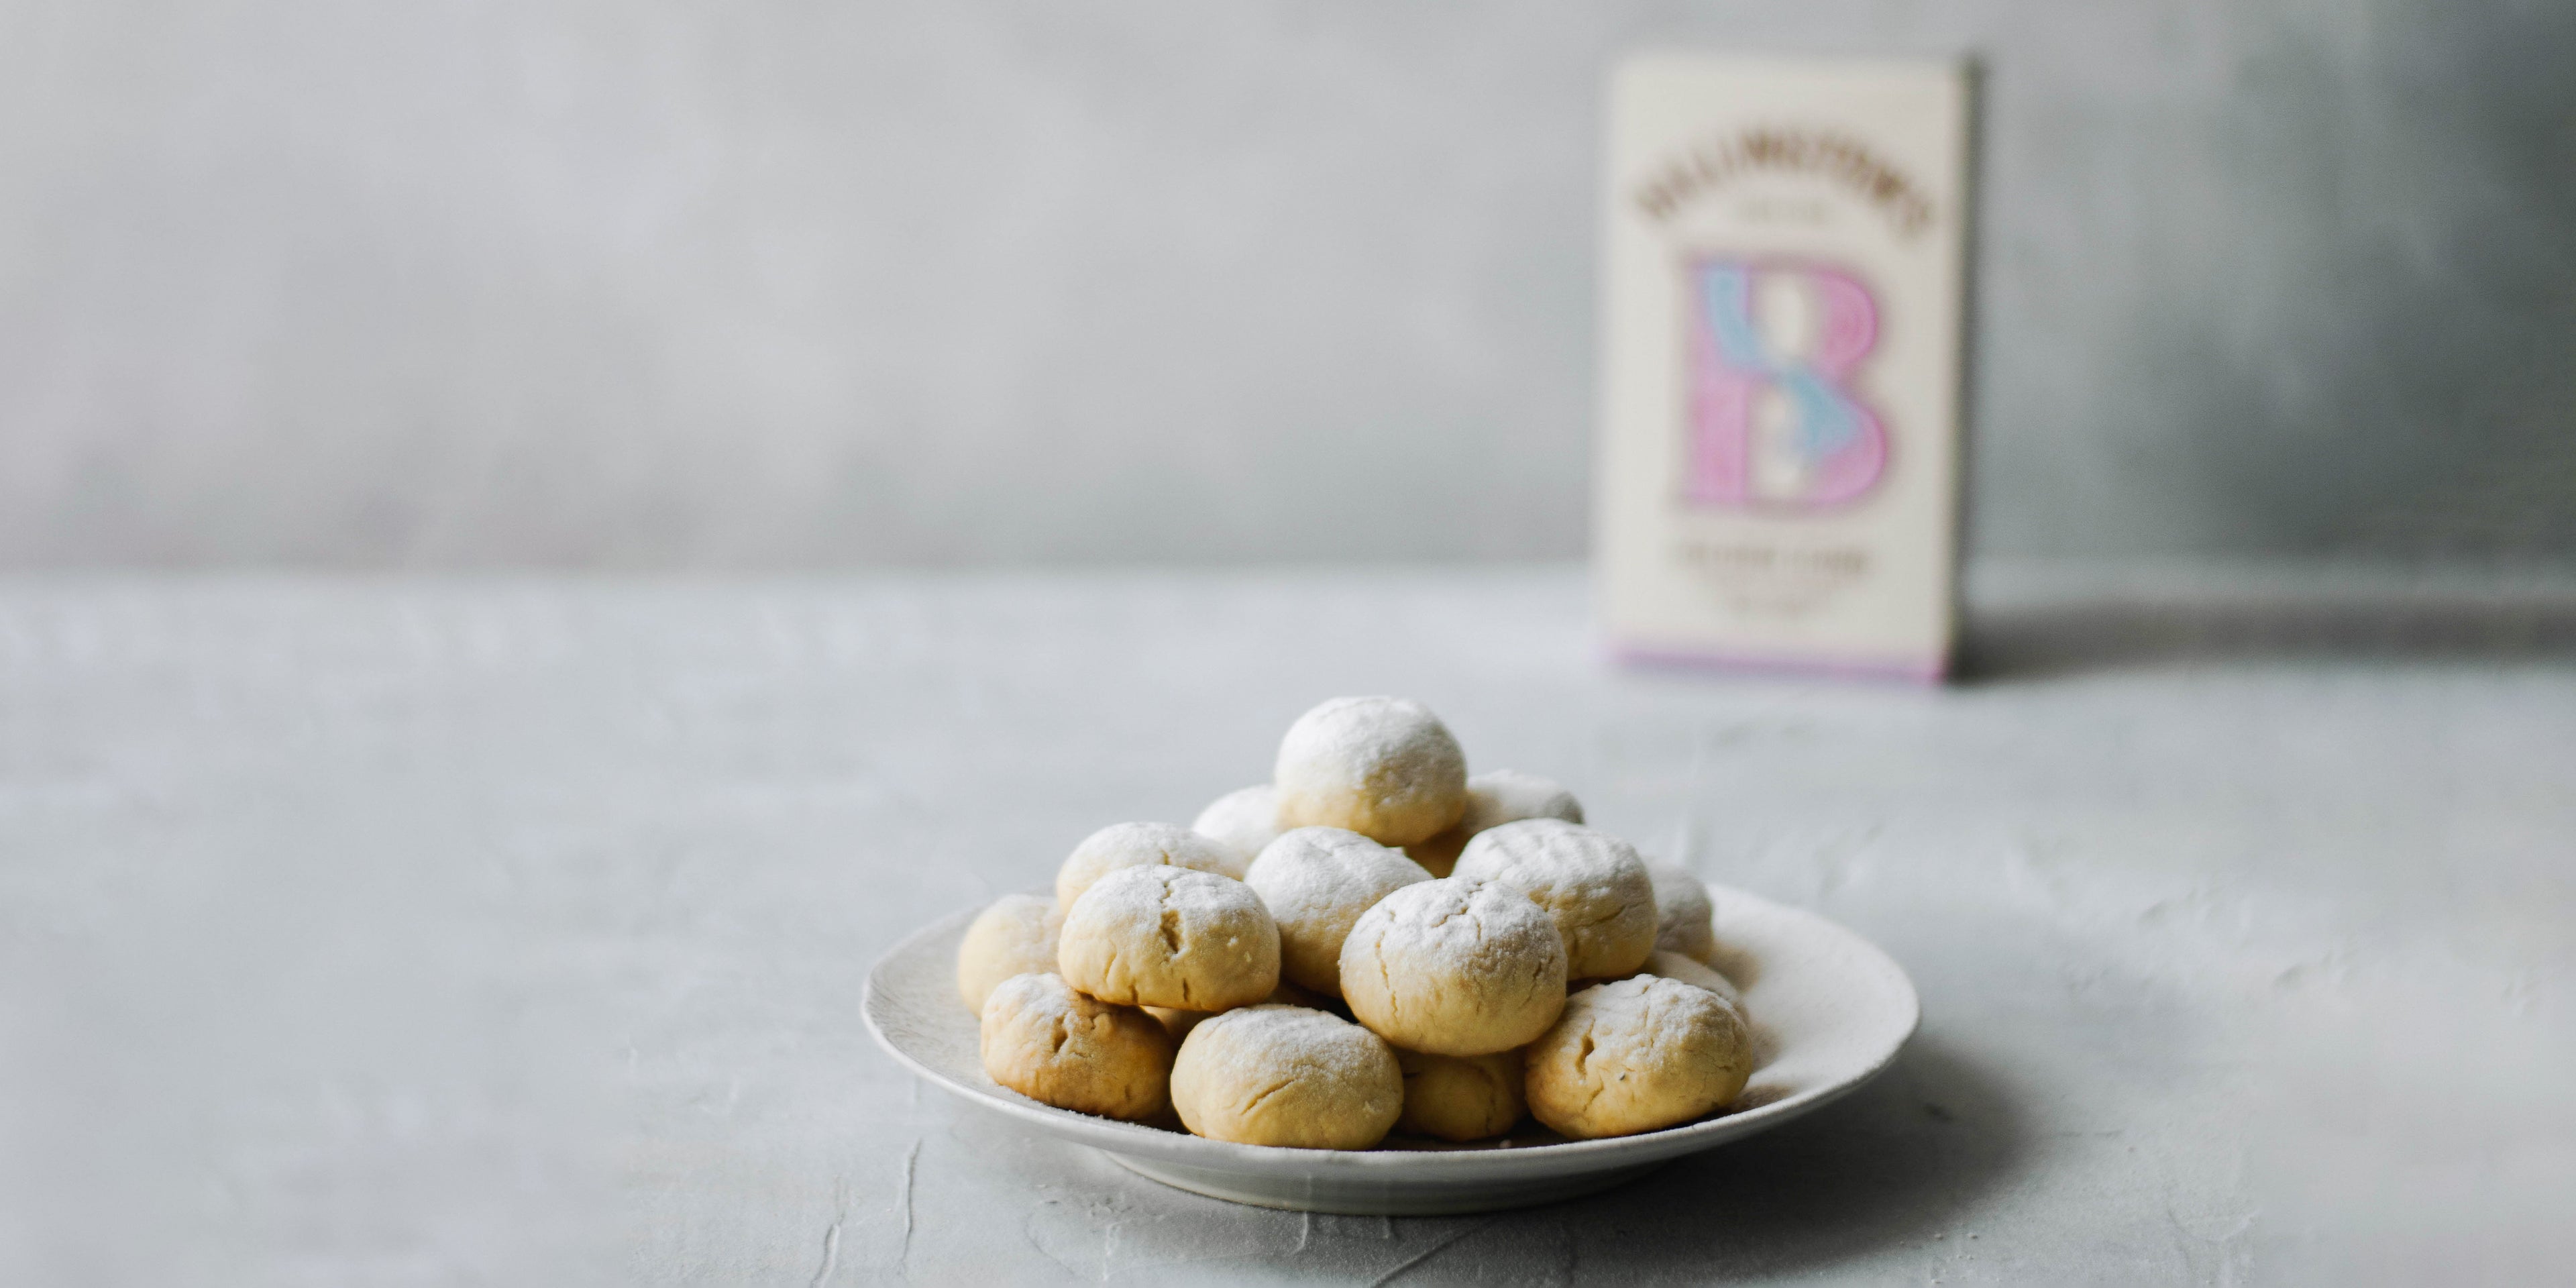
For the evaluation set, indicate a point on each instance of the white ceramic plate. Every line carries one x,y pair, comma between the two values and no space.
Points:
1828,1009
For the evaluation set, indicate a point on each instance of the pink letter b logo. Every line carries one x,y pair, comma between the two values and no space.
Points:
1773,421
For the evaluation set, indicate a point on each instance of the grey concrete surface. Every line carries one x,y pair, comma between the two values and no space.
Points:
511,931
772,284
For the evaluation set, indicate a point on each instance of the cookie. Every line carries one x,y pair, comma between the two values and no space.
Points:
1166,936
1286,1075
1685,922
1015,936
1460,1097
1637,1055
1050,1043
1455,968
1243,820
1385,768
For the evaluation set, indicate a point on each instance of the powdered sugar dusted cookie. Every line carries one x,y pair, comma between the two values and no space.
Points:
1050,1043
1685,923
1591,882
1316,881
1460,1097
1166,936
1385,768
1285,1075
1244,820
1015,936
1140,845
1496,797
1637,1055
1455,968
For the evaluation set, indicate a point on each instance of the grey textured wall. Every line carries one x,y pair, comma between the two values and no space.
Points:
761,284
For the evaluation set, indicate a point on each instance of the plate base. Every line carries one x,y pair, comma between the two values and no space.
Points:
1346,1196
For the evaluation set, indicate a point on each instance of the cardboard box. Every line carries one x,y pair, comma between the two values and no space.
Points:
1777,466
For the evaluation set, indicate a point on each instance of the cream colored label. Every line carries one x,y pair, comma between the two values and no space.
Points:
1780,372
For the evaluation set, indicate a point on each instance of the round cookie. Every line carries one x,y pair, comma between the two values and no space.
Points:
1245,819
1385,768
1697,974
1460,1097
1684,920
1495,797
1593,883
1286,1075
1316,881
1015,936
1637,1055
1455,967
1050,1043
1140,845
1166,936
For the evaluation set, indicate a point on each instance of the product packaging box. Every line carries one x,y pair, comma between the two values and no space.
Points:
1777,466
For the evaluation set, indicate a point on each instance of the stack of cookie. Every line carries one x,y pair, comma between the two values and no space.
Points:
1372,942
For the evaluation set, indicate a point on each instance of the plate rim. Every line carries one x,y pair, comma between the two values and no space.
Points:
1429,1166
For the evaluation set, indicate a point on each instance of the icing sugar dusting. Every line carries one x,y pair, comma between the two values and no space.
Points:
1127,845
1313,871
1256,1047
1477,927
1375,746
1140,895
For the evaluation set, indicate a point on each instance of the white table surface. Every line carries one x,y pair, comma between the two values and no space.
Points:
511,931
